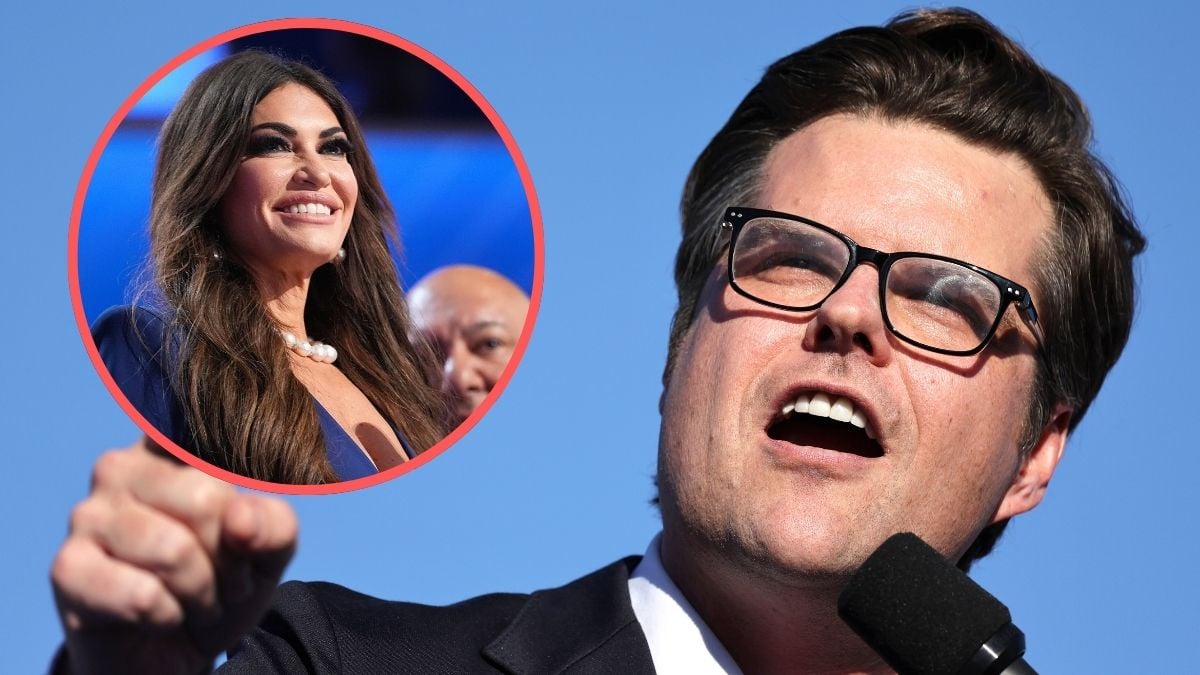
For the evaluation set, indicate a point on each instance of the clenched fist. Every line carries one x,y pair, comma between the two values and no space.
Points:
165,567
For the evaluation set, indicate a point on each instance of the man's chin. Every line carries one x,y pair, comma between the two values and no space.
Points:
462,409
803,560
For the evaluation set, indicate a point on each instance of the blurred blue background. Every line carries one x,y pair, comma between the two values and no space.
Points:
611,103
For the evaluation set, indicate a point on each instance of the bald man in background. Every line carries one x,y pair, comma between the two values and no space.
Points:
473,317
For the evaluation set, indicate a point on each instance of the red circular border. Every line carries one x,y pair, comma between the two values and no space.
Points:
348,27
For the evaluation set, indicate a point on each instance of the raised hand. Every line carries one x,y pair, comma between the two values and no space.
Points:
165,566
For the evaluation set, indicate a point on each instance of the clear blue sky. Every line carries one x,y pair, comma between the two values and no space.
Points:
611,102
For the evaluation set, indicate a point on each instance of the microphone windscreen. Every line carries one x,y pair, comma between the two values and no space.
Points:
917,611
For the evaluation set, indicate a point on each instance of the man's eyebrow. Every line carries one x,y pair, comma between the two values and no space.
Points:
289,131
484,323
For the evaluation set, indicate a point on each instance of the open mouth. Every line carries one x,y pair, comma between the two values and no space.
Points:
820,421
307,208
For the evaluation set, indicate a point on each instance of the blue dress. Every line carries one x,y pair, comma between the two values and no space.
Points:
130,342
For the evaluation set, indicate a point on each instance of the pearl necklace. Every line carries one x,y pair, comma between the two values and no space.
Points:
317,351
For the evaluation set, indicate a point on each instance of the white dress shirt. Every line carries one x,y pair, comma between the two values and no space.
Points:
680,642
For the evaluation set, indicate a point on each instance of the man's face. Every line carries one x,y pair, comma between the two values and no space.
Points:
473,317
949,427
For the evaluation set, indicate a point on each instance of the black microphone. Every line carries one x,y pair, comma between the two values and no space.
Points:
925,617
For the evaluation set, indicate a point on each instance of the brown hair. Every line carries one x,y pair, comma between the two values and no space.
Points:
953,70
246,410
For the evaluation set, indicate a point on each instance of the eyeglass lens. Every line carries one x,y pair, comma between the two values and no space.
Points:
937,303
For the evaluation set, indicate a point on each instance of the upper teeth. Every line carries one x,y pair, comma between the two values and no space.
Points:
841,409
311,207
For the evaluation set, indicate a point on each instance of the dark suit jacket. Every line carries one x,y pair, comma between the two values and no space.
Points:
586,626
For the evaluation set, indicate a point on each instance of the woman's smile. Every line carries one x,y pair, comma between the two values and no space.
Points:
292,198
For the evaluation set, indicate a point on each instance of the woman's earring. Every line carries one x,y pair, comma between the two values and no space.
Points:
216,255
341,255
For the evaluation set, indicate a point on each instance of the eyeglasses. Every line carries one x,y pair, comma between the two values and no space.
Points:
937,303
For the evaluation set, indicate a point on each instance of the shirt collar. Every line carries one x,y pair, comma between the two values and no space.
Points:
680,641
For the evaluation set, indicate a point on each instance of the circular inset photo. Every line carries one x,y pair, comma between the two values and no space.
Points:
306,256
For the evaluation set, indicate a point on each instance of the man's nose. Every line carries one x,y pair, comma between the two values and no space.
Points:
851,319
462,373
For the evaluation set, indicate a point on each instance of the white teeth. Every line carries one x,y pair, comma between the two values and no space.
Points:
802,403
311,207
841,410
819,405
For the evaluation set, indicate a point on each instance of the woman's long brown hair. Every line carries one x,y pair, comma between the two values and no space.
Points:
247,411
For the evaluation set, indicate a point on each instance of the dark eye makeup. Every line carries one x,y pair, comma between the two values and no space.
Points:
338,145
267,144
270,144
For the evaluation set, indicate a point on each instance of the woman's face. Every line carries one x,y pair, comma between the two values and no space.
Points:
290,204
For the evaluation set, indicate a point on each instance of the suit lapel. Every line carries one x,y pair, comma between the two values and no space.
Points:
587,626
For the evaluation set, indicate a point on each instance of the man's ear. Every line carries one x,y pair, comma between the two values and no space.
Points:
1029,485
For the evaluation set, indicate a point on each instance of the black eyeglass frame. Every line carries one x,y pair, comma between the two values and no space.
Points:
1011,292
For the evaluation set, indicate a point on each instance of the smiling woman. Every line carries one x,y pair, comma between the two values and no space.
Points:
290,204
269,237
